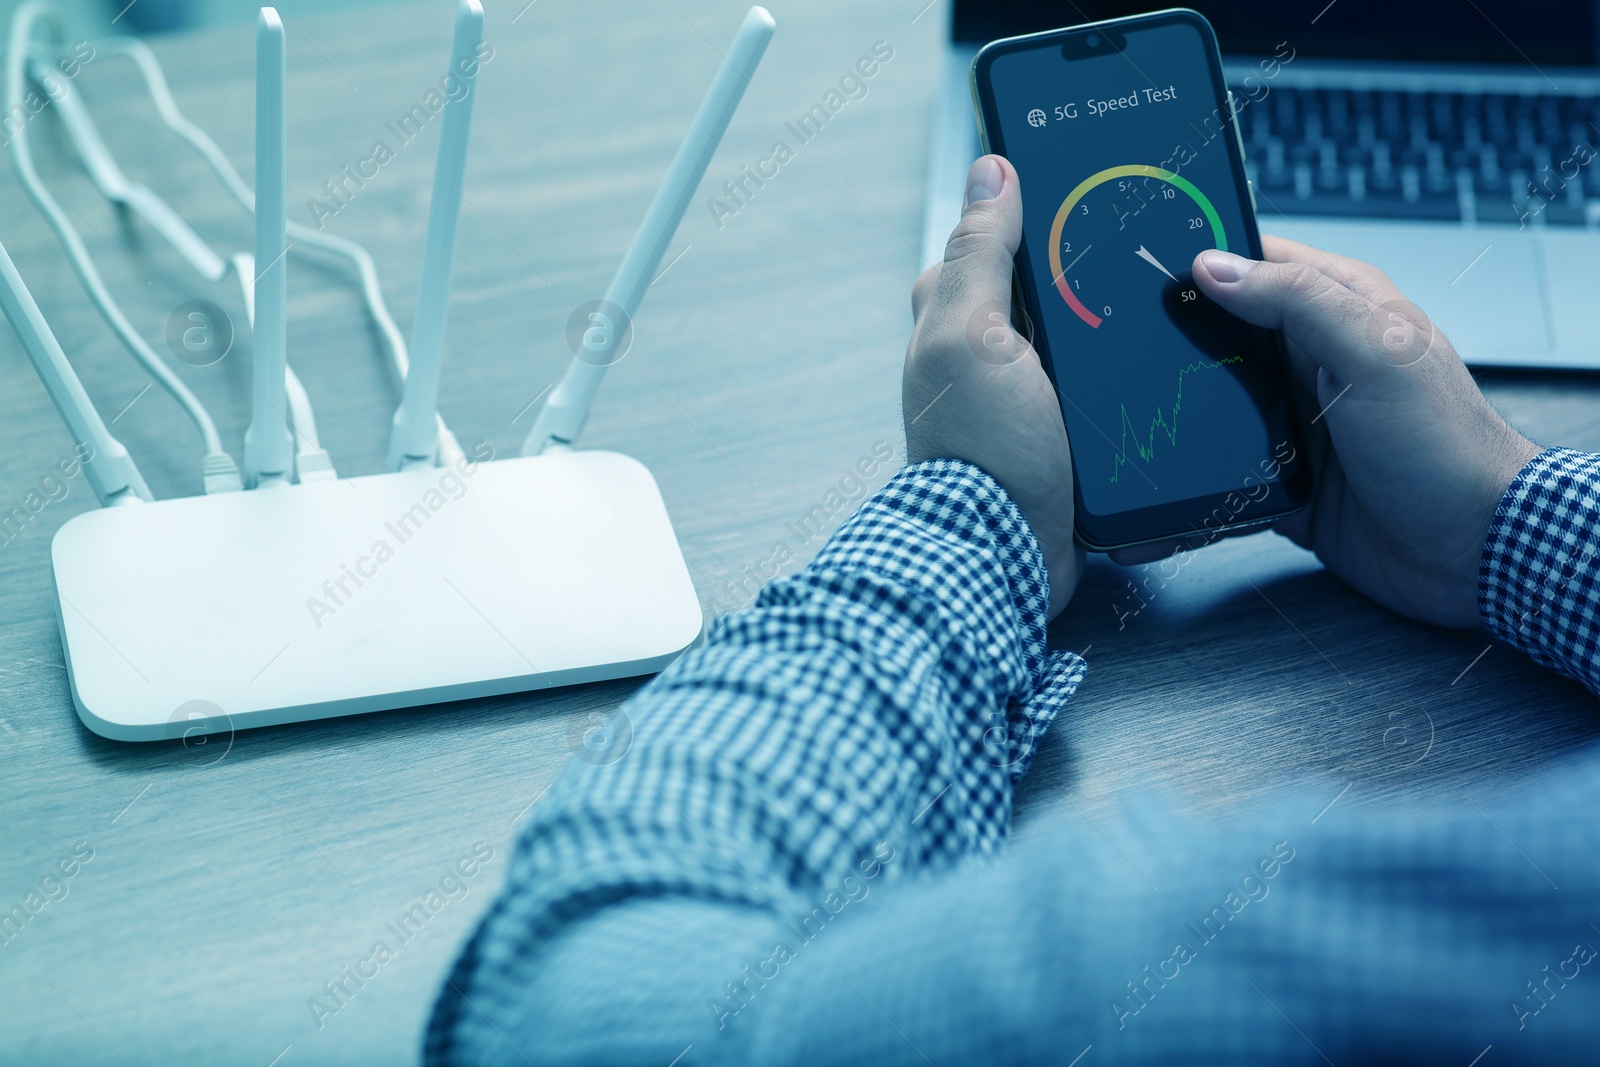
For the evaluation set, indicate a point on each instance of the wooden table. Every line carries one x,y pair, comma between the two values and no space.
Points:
229,882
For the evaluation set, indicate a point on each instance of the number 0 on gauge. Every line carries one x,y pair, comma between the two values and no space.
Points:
1119,231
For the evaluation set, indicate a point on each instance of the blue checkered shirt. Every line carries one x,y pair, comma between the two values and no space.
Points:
788,849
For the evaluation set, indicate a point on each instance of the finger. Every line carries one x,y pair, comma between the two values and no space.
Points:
1362,277
1297,527
923,288
1302,372
976,273
1325,319
1301,526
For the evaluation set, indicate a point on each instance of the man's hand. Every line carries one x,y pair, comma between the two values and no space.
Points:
1411,460
974,389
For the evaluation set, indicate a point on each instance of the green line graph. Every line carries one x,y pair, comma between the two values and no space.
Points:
1164,422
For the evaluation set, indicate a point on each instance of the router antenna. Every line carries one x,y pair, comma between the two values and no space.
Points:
109,469
563,415
268,447
414,440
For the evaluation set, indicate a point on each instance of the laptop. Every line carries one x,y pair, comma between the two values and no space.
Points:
1453,143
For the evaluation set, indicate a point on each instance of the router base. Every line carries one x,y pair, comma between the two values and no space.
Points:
240,610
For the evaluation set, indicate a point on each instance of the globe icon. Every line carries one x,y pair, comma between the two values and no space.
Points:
1037,118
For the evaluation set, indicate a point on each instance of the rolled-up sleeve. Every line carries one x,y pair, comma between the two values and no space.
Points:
865,721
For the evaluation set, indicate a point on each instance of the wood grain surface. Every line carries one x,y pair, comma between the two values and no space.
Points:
230,881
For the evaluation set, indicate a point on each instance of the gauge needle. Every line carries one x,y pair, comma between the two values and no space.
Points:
1145,255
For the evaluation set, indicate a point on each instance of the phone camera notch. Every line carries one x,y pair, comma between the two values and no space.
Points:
1091,44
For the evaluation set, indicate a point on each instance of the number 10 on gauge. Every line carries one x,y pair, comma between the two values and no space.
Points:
1136,228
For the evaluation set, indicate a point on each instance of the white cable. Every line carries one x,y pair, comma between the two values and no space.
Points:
311,461
219,471
167,107
108,177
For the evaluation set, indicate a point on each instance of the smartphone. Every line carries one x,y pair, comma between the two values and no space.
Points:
1126,142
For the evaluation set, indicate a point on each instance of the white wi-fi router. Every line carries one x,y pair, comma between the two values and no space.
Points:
429,583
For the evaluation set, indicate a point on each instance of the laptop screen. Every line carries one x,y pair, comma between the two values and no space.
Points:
1510,32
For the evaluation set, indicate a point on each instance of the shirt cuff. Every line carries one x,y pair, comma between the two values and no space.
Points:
1536,587
951,532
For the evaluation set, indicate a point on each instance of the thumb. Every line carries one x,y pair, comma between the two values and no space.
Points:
1351,336
976,273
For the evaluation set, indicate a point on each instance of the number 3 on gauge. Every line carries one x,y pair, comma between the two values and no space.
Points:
1121,231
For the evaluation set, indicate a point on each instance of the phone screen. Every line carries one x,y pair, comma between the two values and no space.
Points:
1129,163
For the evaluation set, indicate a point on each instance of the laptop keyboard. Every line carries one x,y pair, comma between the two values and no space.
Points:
1450,156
